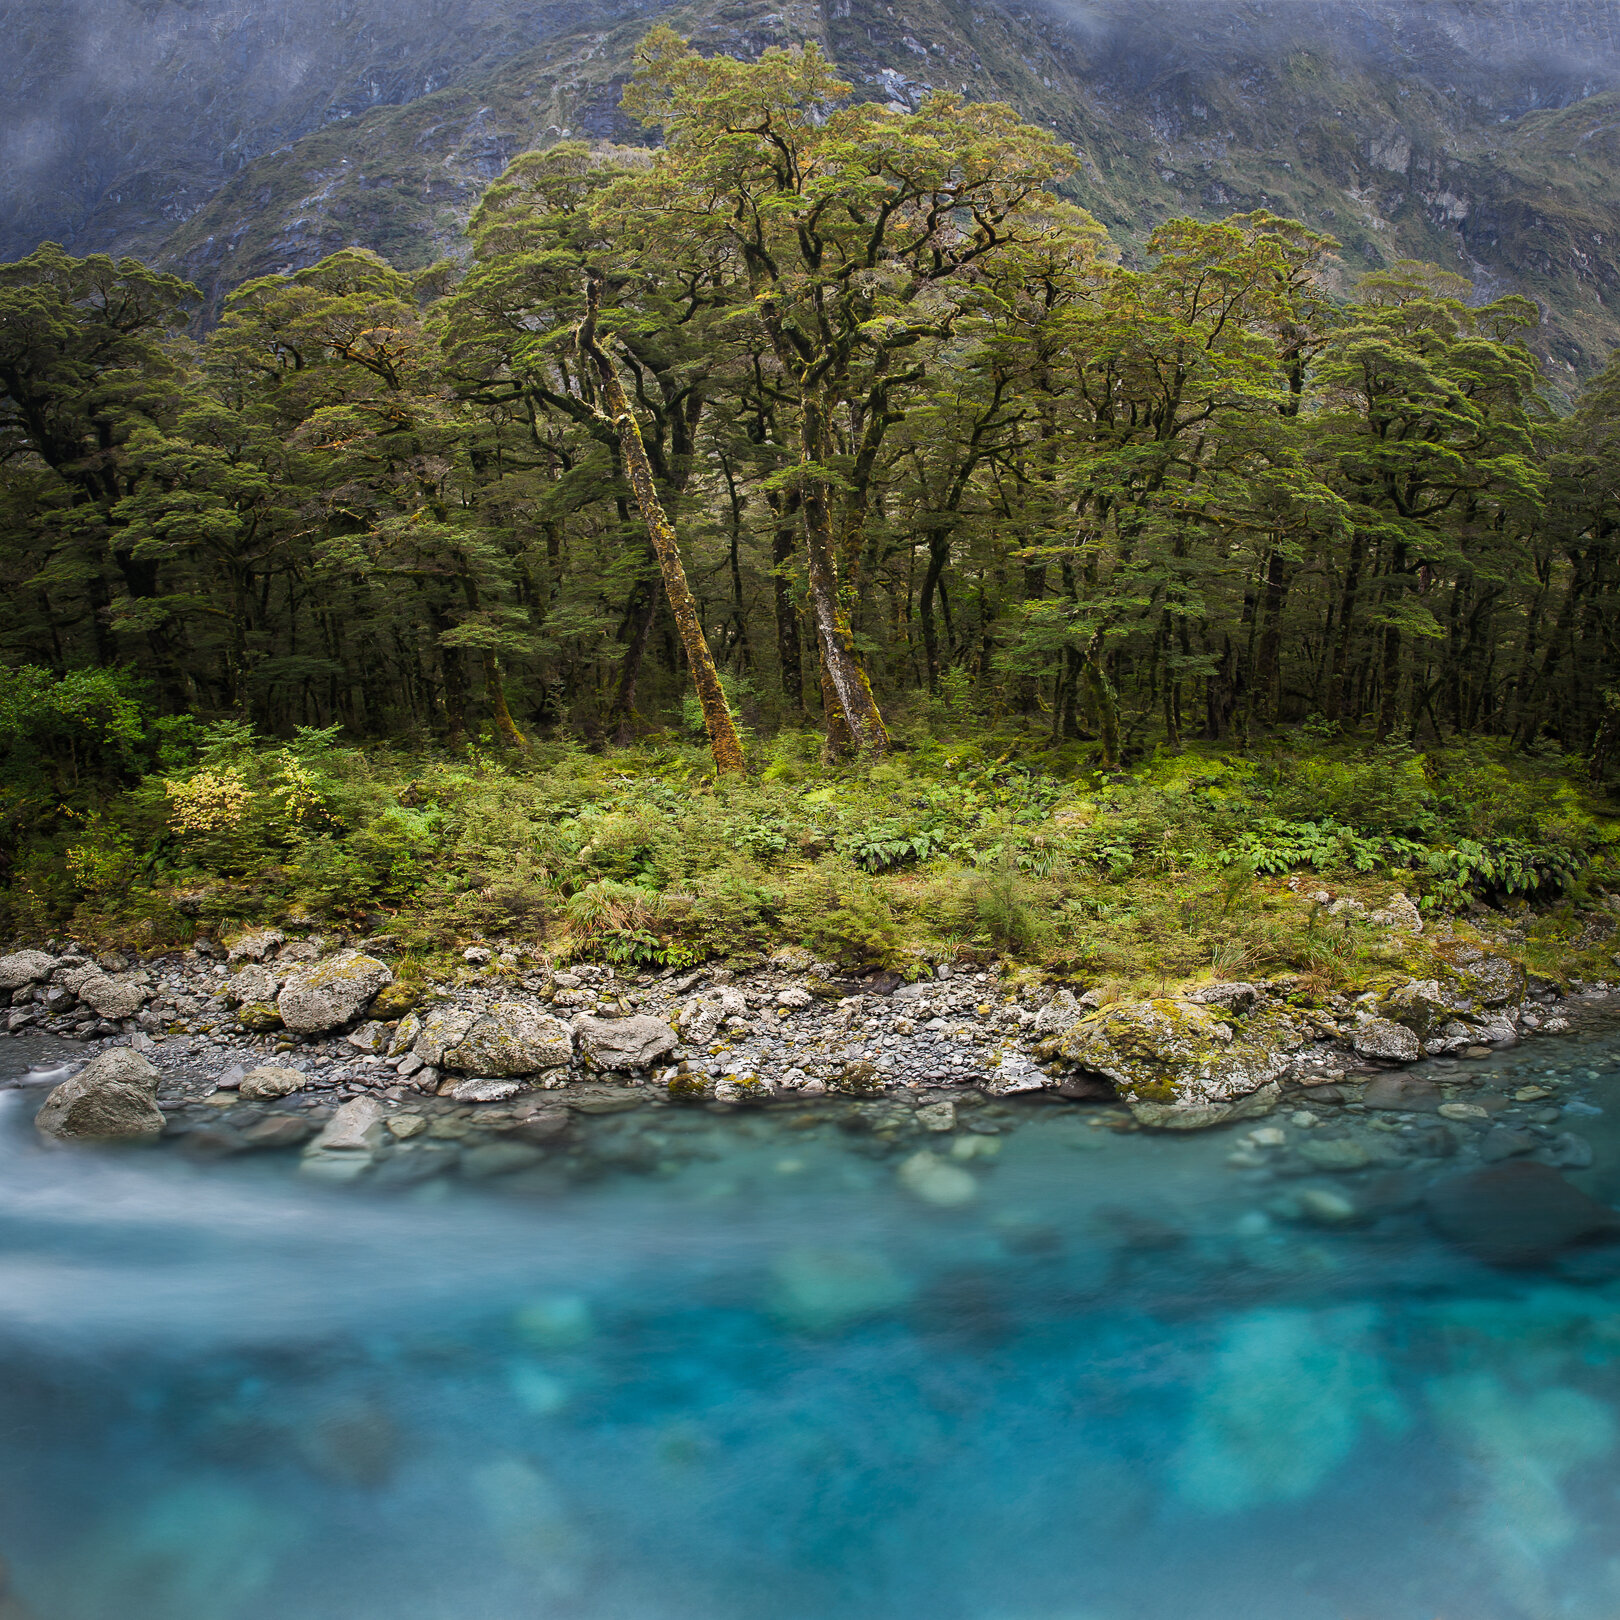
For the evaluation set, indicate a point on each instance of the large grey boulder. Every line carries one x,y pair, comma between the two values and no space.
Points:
110,1098
255,982
109,996
624,1043
24,967
511,1038
1177,1063
332,993
1383,1038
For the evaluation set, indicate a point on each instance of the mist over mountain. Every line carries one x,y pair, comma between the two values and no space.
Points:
227,138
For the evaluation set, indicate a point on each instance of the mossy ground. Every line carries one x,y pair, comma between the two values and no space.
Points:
970,842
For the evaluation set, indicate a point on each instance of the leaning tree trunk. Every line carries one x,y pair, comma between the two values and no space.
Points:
839,660
723,742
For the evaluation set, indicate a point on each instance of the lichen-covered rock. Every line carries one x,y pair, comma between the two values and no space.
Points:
269,1080
404,1034
1179,1055
1493,981
1015,1073
24,967
437,1032
255,945
1384,1038
511,1038
110,997
110,1098
395,1000
255,982
1420,1004
332,993
624,1043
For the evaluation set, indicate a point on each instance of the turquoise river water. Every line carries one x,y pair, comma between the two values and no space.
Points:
738,1372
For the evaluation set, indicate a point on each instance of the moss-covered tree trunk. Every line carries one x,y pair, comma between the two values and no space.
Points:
723,740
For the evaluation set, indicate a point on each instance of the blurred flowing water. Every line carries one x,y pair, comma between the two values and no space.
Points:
740,1373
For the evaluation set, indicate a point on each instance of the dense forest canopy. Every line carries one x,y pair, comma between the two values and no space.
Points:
894,416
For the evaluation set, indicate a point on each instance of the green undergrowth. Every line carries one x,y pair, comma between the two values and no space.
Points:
1200,861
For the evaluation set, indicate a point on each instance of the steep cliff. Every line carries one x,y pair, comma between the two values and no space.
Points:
236,137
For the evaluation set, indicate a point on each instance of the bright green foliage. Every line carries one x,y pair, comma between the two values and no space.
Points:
938,464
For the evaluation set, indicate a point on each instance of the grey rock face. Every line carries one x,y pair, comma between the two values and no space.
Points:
510,1039
625,1043
1058,1016
111,1098
1383,1038
24,967
331,993
1229,997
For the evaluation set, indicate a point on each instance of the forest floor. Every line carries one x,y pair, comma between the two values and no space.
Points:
982,845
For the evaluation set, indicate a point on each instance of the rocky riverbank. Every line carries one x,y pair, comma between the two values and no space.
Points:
271,1041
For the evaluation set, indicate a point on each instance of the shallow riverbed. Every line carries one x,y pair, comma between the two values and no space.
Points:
746,1368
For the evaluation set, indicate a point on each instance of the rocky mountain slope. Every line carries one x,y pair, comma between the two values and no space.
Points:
1482,136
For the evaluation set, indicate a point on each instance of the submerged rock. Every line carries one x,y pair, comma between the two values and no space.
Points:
332,993
1516,1213
1402,1093
111,1098
928,1177
820,1290
355,1128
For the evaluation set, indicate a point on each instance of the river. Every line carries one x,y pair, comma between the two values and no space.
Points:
734,1368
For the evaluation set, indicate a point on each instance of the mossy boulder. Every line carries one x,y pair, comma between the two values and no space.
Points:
1490,981
395,1000
327,995
1419,1004
259,1016
1178,1063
